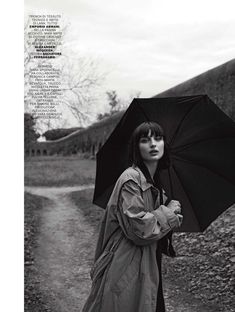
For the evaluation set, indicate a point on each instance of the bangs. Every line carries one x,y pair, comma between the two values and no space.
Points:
143,131
154,128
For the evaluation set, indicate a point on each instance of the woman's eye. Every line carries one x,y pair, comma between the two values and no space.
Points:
147,139
144,140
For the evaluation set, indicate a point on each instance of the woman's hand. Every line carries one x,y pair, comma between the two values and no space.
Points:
175,206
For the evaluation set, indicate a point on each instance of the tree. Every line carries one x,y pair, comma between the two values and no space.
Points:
80,78
116,103
30,134
113,101
56,134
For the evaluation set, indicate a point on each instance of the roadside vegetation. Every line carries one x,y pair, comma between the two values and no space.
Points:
92,213
33,298
59,171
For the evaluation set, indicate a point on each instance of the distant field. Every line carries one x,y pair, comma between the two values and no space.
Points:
59,171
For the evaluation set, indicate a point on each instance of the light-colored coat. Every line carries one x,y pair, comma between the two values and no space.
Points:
125,276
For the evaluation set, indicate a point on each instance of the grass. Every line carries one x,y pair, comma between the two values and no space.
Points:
59,171
32,217
92,213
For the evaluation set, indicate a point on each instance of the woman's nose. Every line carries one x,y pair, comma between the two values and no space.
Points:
153,142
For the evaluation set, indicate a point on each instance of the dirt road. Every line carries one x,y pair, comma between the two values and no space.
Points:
65,249
62,253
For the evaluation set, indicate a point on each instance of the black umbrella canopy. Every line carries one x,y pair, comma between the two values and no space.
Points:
201,144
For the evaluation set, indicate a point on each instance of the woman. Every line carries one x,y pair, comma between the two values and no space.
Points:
134,232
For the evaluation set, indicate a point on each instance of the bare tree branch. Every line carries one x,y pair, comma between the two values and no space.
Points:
80,78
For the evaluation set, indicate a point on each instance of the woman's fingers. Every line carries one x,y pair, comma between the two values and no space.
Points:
180,218
175,206
176,202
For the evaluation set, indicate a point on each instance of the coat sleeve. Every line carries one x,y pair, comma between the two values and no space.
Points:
139,225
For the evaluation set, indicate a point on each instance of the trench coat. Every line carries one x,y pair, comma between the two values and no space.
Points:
125,275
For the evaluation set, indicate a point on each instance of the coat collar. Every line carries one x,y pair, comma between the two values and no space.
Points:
144,183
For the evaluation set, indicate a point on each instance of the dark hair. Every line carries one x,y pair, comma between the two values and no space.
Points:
142,131
165,243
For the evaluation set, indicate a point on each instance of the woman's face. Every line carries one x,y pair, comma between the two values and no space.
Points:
151,147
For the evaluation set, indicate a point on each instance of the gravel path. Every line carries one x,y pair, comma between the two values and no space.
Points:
66,245
63,250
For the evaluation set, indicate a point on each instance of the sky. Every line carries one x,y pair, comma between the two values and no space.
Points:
147,46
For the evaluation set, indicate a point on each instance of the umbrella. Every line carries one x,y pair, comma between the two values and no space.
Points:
201,145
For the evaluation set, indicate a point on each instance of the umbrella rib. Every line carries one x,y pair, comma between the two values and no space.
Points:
184,147
179,180
171,186
179,126
203,166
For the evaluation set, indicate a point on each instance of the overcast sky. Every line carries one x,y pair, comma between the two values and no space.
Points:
146,45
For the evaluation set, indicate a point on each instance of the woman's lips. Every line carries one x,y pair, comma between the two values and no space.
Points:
153,152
